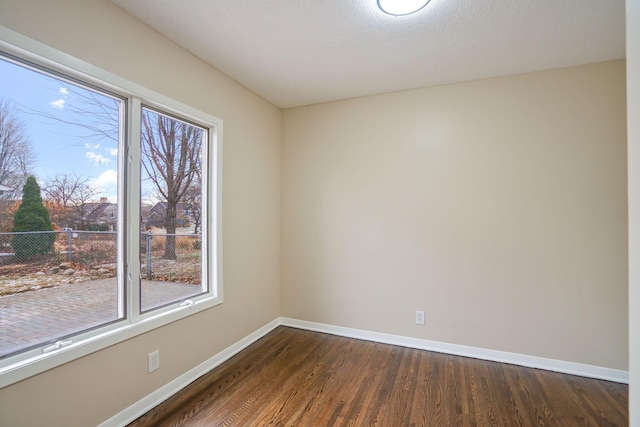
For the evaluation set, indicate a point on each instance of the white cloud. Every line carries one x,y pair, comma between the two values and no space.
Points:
57,104
112,151
97,159
106,178
63,91
91,146
107,184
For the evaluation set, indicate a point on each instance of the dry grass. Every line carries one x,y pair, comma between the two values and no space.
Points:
90,253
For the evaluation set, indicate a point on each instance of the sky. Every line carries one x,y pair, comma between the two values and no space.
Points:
60,148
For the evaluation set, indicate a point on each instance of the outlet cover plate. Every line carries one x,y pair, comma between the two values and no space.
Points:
154,360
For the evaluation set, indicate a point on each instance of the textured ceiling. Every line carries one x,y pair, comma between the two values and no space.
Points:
299,52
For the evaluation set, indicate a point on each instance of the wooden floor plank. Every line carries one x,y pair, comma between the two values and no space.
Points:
293,377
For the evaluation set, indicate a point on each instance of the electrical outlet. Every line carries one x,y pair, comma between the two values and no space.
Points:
419,317
154,360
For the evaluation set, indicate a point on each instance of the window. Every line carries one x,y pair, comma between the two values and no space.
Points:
109,209
49,280
171,188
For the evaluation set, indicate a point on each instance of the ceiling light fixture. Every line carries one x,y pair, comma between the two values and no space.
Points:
401,7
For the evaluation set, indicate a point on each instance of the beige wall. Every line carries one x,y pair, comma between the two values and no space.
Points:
94,388
633,115
498,207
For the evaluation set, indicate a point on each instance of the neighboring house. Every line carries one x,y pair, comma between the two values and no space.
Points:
145,211
102,214
158,213
105,214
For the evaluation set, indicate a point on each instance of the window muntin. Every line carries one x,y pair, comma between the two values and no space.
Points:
133,322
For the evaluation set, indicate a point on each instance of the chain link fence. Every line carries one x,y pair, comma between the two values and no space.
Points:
86,248
166,257
171,257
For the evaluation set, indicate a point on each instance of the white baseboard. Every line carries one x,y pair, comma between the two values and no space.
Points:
564,367
163,393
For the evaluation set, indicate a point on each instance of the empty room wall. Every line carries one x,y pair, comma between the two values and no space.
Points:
92,389
497,206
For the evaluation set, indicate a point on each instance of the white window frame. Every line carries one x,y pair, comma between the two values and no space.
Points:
32,362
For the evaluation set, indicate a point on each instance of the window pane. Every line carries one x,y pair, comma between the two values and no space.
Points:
171,207
58,208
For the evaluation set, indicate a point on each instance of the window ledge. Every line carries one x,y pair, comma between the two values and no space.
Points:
111,335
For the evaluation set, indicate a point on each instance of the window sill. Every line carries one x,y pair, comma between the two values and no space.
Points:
108,336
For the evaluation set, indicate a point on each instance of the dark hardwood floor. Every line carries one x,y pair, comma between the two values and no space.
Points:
299,378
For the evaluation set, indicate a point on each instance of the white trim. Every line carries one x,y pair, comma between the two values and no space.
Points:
90,342
163,393
572,368
152,400
32,362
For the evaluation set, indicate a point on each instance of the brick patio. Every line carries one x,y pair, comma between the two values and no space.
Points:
38,317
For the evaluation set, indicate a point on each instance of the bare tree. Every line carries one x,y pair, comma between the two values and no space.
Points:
96,114
171,152
193,196
16,158
62,188
67,193
193,202
82,206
